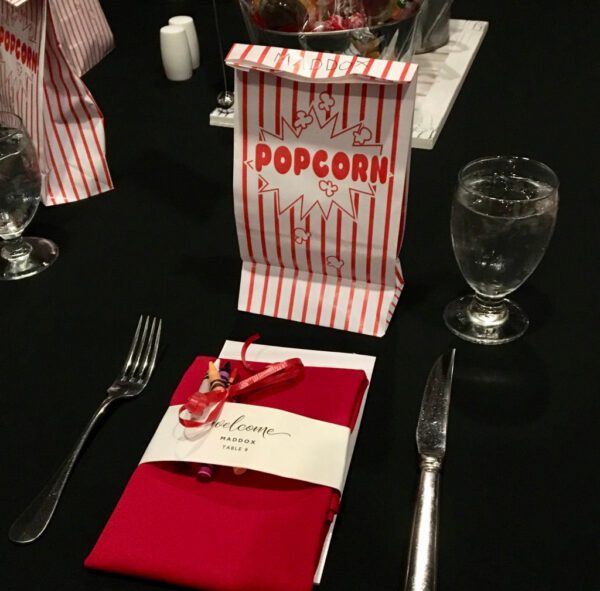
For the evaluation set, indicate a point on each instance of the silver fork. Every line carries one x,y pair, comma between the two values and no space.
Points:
132,379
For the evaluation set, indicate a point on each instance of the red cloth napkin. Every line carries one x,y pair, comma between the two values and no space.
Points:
254,532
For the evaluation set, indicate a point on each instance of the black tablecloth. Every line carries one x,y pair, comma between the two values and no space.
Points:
520,485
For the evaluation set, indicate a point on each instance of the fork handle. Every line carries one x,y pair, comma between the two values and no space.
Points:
33,521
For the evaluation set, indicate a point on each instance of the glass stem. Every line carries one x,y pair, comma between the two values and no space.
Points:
487,312
15,249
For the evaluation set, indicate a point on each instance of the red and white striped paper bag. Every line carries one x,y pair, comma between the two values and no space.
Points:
321,163
38,83
82,32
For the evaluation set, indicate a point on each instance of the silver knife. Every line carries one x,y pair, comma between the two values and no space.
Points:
431,445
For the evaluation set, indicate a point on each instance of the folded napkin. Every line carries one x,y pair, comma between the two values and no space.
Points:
254,532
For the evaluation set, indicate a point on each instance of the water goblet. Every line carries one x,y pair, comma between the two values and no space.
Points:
20,192
503,216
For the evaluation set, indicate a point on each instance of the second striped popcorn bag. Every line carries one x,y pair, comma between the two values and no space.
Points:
321,166
45,46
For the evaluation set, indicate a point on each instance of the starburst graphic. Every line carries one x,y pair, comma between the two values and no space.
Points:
311,164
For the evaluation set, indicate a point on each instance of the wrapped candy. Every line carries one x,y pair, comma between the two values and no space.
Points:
281,15
337,15
326,15
379,11
371,28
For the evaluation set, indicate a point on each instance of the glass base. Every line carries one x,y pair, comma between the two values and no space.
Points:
460,321
40,253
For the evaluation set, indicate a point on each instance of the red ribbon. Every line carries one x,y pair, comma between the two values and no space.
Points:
272,375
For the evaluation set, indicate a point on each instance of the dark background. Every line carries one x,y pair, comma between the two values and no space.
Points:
519,506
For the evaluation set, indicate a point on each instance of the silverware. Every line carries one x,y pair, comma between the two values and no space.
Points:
131,380
431,445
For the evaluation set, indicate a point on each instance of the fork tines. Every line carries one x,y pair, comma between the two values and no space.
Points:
144,348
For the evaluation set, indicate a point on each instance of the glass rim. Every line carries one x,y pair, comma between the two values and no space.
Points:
553,189
3,135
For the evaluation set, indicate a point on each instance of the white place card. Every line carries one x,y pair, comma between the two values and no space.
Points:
257,438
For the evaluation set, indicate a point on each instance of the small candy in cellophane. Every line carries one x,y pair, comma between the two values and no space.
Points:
326,15
370,28
279,15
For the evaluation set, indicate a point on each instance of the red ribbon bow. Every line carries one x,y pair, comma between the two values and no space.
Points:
272,375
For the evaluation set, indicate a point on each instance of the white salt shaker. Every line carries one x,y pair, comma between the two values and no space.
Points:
187,23
175,53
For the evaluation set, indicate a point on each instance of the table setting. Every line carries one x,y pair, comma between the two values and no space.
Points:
305,352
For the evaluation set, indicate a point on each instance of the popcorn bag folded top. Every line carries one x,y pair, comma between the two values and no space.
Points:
321,162
45,46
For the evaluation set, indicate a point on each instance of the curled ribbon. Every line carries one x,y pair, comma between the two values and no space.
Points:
272,375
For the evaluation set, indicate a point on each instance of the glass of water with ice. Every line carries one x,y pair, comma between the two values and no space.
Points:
20,192
503,216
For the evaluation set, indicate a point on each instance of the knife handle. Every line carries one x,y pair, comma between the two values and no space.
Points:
422,554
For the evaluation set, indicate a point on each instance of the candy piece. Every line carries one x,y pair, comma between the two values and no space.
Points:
282,15
378,11
355,21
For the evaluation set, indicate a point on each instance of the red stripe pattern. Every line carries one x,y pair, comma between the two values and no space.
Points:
334,267
82,31
59,113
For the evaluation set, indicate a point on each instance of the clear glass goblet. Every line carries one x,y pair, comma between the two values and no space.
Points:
503,216
20,192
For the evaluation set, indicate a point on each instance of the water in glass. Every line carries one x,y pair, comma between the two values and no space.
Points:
498,244
20,184
503,215
20,194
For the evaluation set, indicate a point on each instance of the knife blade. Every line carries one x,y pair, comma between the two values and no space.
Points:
433,418
432,426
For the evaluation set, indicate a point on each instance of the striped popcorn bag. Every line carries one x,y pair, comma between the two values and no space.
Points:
321,163
42,54
82,32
